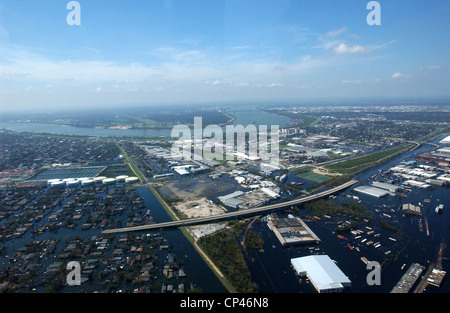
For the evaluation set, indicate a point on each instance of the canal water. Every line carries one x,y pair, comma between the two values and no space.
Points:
195,267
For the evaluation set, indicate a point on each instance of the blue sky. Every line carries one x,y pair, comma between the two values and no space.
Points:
214,51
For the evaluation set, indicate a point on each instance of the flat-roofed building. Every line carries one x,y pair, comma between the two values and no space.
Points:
323,273
411,209
250,199
230,199
372,191
446,140
386,186
292,230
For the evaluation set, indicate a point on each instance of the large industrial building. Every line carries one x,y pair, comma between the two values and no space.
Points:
410,209
323,273
386,186
68,172
292,230
445,141
441,157
372,191
250,199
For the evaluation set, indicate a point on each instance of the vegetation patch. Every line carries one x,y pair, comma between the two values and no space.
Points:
324,207
224,251
356,165
312,176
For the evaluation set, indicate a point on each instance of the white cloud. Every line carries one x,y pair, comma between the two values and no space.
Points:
167,76
344,49
333,33
275,85
216,82
383,45
433,67
398,75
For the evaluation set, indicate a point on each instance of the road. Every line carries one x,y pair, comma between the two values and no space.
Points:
225,216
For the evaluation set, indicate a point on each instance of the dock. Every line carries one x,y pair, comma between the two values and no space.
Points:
435,274
433,277
408,279
426,226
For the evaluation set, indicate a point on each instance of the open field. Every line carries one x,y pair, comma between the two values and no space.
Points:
355,165
194,188
318,178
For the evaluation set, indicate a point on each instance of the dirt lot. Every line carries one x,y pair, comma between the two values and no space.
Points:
323,171
198,208
195,188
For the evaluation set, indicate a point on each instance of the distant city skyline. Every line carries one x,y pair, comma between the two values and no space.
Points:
192,51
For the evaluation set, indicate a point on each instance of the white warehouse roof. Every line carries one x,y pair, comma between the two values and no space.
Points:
271,193
386,186
372,191
324,274
445,140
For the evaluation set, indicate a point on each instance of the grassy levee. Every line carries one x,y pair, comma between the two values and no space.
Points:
356,165
130,163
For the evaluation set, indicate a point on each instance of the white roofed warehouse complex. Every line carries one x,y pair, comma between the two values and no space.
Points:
324,274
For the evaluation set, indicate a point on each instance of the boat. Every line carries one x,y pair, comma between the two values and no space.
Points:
350,247
426,226
439,208
403,266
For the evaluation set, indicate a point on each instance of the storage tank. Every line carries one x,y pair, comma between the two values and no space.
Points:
87,182
108,181
50,181
131,180
57,183
99,179
121,178
72,183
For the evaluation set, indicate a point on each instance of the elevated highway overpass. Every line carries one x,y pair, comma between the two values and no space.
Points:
230,215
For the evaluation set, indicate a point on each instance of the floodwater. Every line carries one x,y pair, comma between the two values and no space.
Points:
272,270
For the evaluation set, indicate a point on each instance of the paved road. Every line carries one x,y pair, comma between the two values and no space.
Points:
249,212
